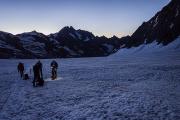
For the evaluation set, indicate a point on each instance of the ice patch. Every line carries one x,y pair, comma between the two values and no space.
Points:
156,21
69,50
72,35
151,21
87,39
50,79
109,47
54,41
79,35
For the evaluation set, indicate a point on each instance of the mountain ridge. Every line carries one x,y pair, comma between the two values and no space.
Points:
68,42
163,28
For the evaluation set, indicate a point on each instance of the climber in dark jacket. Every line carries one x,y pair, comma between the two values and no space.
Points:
20,68
54,67
38,76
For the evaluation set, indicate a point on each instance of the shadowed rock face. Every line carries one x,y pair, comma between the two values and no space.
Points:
164,27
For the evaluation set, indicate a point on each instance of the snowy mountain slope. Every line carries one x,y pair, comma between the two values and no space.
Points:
128,87
10,46
37,43
84,41
153,48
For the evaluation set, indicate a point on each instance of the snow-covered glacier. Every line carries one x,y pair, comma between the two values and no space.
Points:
133,84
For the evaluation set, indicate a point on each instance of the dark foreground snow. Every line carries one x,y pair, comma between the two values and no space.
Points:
134,87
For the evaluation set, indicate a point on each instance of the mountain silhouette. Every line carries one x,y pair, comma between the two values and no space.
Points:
163,28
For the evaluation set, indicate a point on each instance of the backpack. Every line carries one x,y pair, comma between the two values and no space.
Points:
26,77
41,82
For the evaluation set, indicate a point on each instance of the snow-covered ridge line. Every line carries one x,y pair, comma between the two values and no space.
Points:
151,48
79,43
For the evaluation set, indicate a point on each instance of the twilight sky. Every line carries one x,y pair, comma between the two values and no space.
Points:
101,17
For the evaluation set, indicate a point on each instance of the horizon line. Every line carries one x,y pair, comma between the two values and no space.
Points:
96,35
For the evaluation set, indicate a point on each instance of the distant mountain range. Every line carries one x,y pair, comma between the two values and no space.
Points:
68,42
164,27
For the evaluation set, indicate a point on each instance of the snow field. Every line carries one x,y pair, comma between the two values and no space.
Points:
119,87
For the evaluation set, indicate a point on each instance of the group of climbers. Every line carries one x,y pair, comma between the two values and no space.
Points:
38,73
